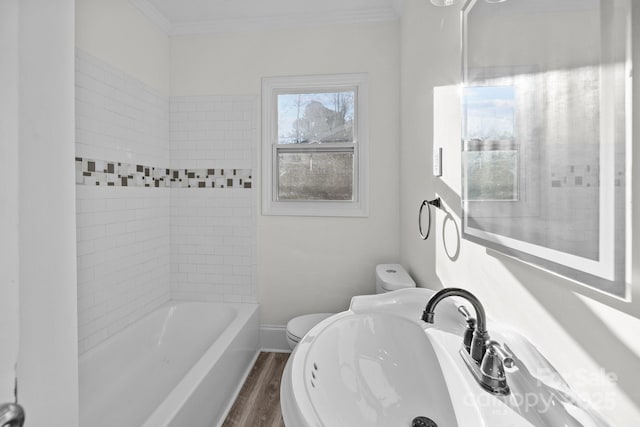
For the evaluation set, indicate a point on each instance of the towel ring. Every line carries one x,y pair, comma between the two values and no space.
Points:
436,203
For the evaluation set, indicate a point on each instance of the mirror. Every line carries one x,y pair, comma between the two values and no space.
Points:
546,118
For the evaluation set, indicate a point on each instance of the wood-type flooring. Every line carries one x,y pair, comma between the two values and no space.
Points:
258,403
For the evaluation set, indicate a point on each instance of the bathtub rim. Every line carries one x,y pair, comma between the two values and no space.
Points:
163,306
170,406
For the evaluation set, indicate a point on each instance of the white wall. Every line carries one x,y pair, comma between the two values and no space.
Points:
48,364
116,32
9,191
581,332
311,264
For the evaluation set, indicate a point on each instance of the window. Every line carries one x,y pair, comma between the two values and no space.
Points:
314,145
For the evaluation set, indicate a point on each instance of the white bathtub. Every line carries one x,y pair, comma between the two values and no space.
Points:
180,365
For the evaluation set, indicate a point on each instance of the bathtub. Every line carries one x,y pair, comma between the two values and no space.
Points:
181,365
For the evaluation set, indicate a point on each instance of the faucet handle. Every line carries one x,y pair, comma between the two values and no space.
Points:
492,368
495,360
471,321
465,312
505,356
492,365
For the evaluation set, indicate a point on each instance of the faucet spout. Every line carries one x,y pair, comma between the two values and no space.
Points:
480,335
485,359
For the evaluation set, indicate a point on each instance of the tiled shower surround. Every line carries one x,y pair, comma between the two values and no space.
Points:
165,198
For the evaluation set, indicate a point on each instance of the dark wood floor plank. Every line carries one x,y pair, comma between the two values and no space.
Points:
258,403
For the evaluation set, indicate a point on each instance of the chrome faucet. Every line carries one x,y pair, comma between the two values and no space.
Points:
485,358
480,335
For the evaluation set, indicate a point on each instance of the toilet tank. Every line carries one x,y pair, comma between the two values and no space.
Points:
391,277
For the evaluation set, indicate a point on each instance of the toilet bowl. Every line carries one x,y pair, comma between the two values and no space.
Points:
389,277
298,327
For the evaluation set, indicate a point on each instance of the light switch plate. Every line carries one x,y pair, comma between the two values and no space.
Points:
437,161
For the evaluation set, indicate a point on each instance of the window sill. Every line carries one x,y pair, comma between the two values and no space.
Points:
319,209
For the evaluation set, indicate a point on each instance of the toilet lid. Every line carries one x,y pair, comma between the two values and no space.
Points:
394,277
299,326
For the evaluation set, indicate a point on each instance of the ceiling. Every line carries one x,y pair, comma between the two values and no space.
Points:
203,16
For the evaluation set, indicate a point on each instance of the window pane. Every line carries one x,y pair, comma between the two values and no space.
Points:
489,113
314,118
491,175
315,176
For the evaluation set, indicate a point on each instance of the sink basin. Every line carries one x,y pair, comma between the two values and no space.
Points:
354,373
377,364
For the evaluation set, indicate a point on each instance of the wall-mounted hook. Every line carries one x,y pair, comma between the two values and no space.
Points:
435,203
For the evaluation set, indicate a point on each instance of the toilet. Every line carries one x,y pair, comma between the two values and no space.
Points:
389,277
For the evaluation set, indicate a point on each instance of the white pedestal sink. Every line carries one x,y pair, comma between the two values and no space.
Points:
377,364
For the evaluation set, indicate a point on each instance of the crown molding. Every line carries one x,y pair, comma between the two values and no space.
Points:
229,25
284,21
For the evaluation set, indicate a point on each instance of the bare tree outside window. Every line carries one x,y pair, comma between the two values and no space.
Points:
315,118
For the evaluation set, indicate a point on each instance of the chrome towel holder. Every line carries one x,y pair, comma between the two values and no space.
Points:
437,203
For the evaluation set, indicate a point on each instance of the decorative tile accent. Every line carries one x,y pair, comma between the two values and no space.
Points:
118,174
585,175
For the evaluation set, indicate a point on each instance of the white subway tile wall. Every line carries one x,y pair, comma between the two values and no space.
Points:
123,234
138,246
123,258
213,232
214,129
118,117
213,245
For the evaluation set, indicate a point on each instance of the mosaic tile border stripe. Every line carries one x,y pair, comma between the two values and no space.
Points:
120,174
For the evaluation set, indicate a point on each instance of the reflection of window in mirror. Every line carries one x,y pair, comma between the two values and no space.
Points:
499,145
490,146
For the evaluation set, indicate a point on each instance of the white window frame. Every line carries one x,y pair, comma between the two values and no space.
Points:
271,87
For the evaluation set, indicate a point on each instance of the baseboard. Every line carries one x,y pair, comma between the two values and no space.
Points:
274,338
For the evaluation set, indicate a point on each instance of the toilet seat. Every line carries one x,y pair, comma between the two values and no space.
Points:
298,327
